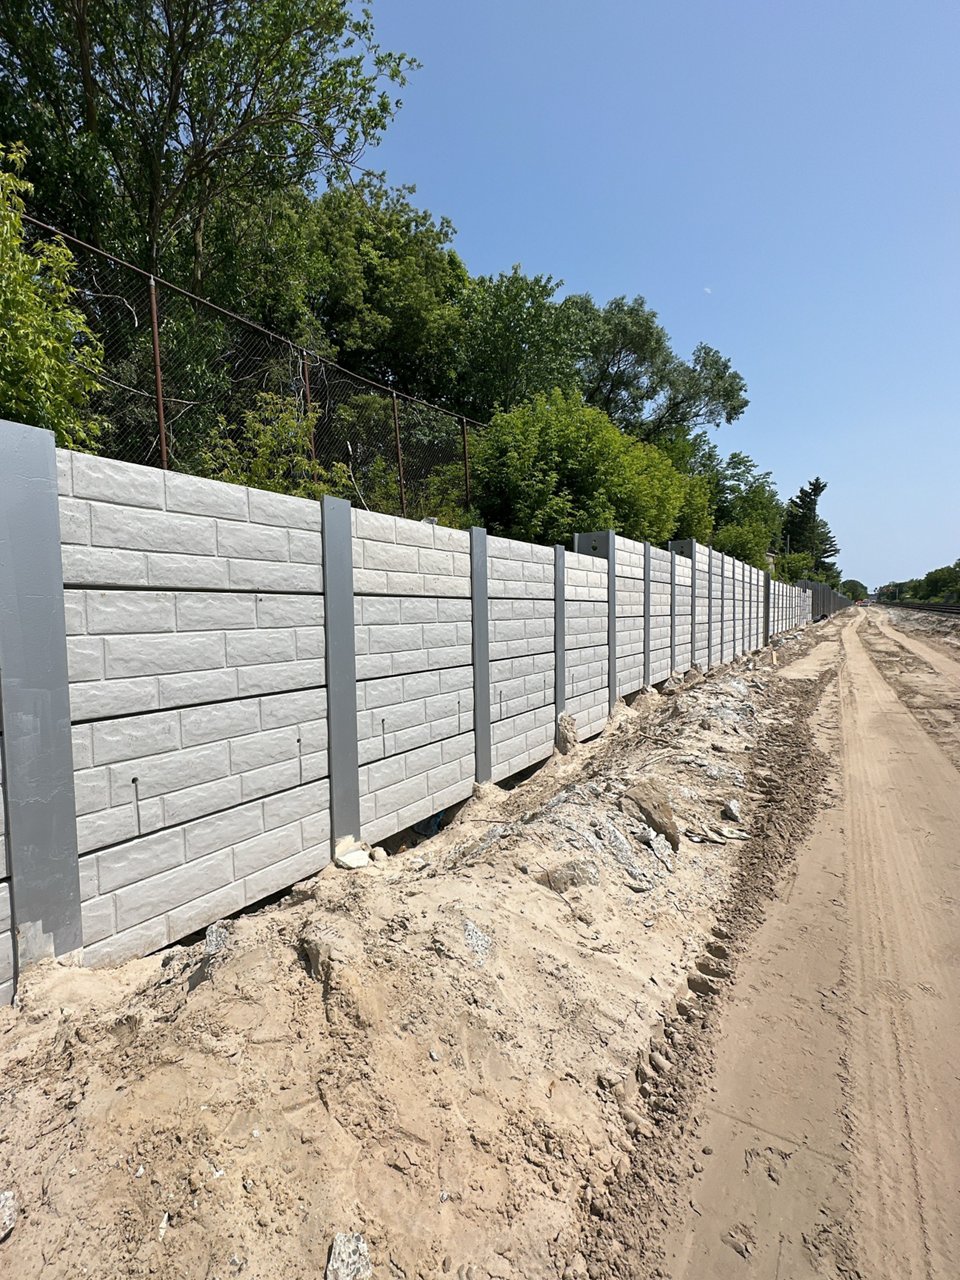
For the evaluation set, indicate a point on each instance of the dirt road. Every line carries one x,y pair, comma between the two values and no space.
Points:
829,1136
545,1042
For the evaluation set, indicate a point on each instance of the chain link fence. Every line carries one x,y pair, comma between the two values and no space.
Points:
190,386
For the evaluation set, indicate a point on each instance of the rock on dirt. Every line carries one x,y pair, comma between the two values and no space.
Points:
567,739
352,859
349,1259
315,948
9,1212
649,801
570,875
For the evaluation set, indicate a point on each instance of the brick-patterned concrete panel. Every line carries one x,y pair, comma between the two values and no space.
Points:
590,711
391,728
501,550
6,945
520,583
196,648
124,886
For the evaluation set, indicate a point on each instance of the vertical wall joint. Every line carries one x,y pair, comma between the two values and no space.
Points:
673,611
341,671
35,702
559,630
479,595
612,617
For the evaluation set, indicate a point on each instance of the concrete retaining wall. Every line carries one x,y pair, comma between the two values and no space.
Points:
6,931
413,641
520,585
586,643
195,648
199,656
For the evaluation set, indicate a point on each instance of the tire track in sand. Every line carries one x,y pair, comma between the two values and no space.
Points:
902,800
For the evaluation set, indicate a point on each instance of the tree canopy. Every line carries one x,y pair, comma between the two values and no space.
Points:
806,532
221,144
941,586
146,121
555,465
49,359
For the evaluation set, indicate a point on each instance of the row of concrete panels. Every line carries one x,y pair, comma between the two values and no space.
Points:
254,679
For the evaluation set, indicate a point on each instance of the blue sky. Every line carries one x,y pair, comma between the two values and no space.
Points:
780,180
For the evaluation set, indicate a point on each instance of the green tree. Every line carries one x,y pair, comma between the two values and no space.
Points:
517,342
272,449
805,530
555,465
627,361
797,566
853,589
748,542
940,584
386,288
747,495
630,370
49,359
695,518
145,119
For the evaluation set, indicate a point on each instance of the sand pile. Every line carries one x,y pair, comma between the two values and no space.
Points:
447,1053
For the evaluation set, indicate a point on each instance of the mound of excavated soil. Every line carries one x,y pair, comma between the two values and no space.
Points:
468,1053
942,630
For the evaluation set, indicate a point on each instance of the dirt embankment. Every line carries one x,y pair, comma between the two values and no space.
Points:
826,1132
939,630
479,1055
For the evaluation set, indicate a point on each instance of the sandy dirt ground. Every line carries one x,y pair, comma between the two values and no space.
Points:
939,631
831,1121
543,1043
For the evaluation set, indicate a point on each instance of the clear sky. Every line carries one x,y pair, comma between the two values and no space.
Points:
780,180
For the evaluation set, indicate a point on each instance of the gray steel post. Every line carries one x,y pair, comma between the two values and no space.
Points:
559,630
481,655
673,611
340,658
647,614
709,607
604,546
41,812
612,617
723,607
693,602
766,609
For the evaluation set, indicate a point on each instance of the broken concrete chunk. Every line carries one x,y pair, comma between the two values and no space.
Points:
646,799
661,849
478,942
349,1258
567,738
315,947
570,875
9,1212
216,938
731,810
352,859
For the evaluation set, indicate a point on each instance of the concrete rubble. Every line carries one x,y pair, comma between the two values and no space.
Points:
349,1258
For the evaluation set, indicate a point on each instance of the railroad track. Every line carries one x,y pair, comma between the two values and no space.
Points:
924,607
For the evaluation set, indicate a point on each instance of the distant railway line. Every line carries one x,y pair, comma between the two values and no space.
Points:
924,606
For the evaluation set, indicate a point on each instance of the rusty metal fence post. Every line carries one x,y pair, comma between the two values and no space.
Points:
466,460
308,404
396,431
158,373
